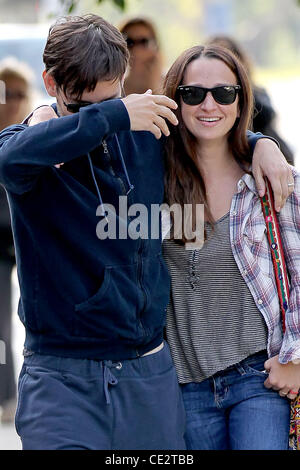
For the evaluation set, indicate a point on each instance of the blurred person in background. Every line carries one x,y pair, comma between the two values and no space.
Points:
146,62
17,78
264,119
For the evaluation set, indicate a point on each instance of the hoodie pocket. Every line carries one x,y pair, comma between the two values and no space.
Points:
156,282
111,313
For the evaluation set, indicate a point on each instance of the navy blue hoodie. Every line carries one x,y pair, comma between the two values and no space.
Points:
80,296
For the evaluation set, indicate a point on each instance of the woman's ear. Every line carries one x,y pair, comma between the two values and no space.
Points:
50,84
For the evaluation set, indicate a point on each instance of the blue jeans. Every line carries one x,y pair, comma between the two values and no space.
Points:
233,410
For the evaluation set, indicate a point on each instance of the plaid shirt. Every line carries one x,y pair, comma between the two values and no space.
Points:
251,250
252,254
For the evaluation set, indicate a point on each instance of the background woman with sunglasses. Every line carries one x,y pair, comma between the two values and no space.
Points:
146,61
236,369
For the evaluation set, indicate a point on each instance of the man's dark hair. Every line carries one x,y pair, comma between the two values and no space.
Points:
82,50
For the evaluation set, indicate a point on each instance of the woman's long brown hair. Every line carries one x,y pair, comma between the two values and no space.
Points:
183,181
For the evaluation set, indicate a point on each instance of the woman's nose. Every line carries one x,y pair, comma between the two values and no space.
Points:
208,102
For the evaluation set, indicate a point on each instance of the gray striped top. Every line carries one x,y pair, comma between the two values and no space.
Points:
212,319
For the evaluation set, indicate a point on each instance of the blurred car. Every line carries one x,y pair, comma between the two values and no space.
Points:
26,42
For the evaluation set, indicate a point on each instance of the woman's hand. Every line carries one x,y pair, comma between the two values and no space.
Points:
269,161
284,378
41,114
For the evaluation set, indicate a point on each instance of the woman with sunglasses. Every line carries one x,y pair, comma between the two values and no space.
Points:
146,61
236,369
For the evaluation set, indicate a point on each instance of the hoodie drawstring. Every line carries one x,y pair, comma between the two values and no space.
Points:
96,185
109,378
131,186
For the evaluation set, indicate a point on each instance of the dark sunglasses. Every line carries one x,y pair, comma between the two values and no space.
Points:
146,43
193,95
75,107
15,95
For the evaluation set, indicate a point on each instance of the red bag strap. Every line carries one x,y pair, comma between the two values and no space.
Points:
273,233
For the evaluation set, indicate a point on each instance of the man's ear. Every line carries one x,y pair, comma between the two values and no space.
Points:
50,84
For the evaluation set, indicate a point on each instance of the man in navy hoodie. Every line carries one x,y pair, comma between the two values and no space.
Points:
97,373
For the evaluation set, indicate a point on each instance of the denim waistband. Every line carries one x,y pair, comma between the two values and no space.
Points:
250,360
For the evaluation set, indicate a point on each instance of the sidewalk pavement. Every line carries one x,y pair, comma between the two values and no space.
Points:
9,440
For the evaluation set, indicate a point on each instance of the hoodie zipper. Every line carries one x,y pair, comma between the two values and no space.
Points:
108,157
142,288
141,247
